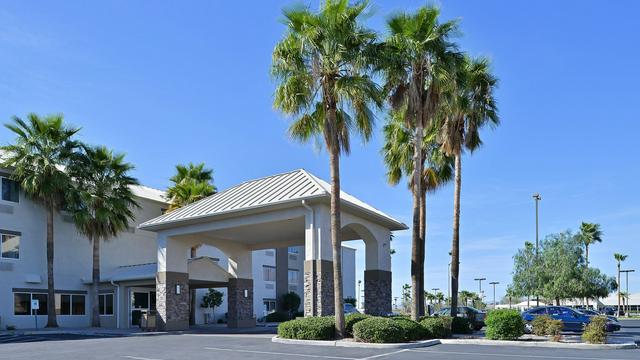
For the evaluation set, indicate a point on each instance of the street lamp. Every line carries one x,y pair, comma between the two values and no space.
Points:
494,283
537,197
480,280
358,295
627,276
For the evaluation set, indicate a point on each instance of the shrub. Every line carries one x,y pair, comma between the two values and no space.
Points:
461,325
437,327
351,320
596,331
310,328
413,331
504,325
276,317
378,330
291,302
545,325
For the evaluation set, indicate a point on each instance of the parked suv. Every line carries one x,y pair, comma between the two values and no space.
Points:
474,315
572,320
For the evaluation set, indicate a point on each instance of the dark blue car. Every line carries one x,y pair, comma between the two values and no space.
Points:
572,320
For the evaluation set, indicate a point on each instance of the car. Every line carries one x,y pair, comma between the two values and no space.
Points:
350,309
474,315
590,312
572,320
610,310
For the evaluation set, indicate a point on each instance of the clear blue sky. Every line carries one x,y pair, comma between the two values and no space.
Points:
171,83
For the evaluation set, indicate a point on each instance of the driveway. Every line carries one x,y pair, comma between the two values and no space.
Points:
259,346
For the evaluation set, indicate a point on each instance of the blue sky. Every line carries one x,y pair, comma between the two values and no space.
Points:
168,83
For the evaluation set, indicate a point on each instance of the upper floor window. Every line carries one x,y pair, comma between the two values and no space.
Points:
10,190
294,250
269,273
10,245
293,276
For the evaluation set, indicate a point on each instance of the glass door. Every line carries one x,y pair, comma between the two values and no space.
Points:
141,302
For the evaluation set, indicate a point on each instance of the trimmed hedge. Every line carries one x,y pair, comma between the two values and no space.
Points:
413,331
310,328
437,327
460,325
504,325
545,325
351,320
379,330
596,331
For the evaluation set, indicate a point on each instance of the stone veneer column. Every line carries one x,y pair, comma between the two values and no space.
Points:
377,292
318,288
172,308
240,307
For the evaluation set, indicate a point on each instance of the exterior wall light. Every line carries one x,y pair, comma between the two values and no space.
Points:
178,289
246,293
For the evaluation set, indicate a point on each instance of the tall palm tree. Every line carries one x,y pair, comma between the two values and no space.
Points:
42,149
398,156
102,204
191,183
470,106
590,233
619,258
418,54
322,67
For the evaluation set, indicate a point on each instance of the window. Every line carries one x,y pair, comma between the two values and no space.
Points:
294,250
67,304
105,302
10,245
293,277
269,273
269,252
10,190
22,303
269,305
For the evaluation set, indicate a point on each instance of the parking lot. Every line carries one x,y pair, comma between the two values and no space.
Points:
259,346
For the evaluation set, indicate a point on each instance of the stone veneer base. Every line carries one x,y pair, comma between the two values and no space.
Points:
377,292
172,308
318,280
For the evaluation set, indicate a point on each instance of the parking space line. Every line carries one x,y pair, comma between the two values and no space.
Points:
283,354
385,354
513,355
138,358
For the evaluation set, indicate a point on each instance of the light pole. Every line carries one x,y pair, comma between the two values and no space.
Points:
494,283
627,276
480,280
359,303
537,199
435,290
449,283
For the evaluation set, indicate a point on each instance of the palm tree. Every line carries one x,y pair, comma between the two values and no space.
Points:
191,183
398,156
102,204
43,147
619,258
418,54
322,67
470,107
590,233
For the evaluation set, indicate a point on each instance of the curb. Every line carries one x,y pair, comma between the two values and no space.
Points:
353,344
88,333
545,344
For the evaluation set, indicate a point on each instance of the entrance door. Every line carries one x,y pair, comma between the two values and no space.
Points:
141,301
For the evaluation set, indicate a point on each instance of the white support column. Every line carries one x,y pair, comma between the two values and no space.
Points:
172,284
377,274
318,265
240,290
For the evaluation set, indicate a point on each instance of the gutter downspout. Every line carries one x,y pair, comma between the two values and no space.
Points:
312,216
117,303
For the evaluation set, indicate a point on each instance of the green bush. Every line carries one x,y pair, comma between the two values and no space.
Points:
545,325
276,317
351,320
413,331
596,331
504,325
310,328
461,325
437,327
378,330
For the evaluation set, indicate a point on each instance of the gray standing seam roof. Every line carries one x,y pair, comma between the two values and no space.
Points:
270,190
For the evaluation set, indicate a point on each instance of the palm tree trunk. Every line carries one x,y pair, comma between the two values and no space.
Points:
586,258
95,308
423,244
415,239
51,293
619,288
335,233
455,243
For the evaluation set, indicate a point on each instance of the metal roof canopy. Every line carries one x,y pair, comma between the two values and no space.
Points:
274,192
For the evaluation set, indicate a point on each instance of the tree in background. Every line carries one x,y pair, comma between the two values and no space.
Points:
590,233
101,203
619,258
42,149
322,66
192,182
418,53
470,106
291,303
525,272
211,300
406,298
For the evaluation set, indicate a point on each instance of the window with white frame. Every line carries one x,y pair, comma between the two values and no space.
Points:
10,244
105,303
269,305
70,304
10,190
293,276
22,303
268,273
